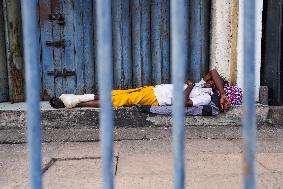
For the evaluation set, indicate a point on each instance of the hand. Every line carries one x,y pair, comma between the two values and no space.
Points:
191,82
224,102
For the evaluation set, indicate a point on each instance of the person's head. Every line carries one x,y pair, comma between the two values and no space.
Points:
56,103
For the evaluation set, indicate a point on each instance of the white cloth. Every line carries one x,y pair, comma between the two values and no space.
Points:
199,95
71,100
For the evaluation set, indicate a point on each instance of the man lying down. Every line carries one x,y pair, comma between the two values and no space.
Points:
211,93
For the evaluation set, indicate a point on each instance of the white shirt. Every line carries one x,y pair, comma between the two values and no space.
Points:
199,95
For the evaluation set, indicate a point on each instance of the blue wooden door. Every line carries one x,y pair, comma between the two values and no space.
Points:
67,53
140,39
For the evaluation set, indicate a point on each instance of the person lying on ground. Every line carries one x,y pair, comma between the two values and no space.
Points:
195,94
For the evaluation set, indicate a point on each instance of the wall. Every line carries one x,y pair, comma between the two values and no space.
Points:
240,80
221,29
226,40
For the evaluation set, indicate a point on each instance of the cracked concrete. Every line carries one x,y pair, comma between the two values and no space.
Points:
210,163
81,125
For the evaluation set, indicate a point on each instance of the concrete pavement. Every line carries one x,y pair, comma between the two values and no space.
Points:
82,124
210,163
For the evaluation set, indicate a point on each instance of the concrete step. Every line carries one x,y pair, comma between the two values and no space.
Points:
82,124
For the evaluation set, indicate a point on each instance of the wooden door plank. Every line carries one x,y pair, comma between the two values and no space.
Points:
195,40
4,89
78,45
57,35
140,14
121,37
165,43
160,41
68,61
156,60
88,46
14,49
145,45
136,42
46,52
198,38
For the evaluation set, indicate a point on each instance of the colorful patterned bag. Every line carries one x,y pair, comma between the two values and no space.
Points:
234,93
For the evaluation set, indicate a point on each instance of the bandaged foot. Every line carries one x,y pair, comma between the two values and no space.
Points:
71,100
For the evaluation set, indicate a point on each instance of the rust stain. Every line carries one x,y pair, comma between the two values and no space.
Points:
16,62
246,170
55,6
18,83
234,37
44,10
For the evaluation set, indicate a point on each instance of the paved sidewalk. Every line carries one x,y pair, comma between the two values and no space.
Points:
143,164
82,124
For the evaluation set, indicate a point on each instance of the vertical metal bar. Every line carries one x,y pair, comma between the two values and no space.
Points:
104,61
31,45
249,116
178,42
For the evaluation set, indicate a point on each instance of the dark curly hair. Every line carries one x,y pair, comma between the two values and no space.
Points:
56,103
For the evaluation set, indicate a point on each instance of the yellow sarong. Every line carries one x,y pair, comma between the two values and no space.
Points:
142,96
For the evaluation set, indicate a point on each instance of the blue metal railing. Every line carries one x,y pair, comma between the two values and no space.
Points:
31,46
178,54
104,57
249,116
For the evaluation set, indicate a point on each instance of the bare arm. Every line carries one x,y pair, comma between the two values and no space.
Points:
93,103
215,77
207,77
188,90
